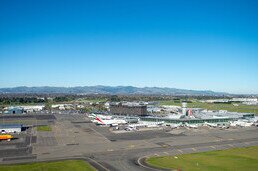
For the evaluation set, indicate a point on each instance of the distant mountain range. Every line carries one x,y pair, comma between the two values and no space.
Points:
109,90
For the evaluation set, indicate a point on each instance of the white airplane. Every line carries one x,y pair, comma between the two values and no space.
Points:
191,125
224,126
111,122
146,124
137,125
176,125
246,124
241,123
129,128
233,123
214,125
100,116
153,124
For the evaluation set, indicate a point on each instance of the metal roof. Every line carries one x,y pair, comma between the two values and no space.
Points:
10,126
217,115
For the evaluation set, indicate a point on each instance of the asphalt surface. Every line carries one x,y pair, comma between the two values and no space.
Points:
28,116
74,137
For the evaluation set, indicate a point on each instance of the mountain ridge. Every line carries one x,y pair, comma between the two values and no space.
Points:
100,89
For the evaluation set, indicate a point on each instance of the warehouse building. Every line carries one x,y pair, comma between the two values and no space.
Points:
128,108
10,128
14,110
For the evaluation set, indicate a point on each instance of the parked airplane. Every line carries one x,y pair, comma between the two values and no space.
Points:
246,124
241,123
137,125
7,137
145,124
100,116
233,123
152,124
224,126
191,125
130,129
176,125
210,124
111,122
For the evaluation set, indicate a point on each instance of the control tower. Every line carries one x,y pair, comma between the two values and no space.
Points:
184,108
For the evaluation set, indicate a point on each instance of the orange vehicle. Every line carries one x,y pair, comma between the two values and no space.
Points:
7,137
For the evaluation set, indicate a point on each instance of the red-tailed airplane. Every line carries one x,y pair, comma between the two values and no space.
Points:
112,122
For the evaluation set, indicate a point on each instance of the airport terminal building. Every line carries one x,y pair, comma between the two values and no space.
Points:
200,118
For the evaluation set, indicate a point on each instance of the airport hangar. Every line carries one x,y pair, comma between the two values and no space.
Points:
11,128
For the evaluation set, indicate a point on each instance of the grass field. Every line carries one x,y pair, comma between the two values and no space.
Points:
44,128
67,165
91,100
214,106
226,160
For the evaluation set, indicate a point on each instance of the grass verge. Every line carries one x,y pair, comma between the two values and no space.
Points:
226,160
66,165
44,128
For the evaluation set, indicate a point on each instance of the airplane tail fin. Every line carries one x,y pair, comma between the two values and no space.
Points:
100,120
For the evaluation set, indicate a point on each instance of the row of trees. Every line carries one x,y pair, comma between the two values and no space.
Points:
20,100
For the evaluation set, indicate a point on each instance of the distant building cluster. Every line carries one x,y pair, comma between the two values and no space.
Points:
23,109
247,101
128,108
63,106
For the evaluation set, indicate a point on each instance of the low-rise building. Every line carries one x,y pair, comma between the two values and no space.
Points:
33,108
14,110
10,128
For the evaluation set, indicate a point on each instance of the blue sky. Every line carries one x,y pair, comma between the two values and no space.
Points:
198,44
